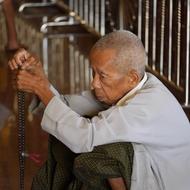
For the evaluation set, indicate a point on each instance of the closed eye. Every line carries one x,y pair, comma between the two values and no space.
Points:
103,75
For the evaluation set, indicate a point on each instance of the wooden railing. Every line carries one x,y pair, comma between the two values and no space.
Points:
164,29
162,25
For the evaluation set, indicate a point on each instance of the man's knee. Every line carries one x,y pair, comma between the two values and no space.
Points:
105,161
106,158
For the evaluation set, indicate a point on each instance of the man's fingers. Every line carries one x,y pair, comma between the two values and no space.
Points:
24,60
23,74
18,59
14,64
10,65
26,77
25,81
21,56
31,61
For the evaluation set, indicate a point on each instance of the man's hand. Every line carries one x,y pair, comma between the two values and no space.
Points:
18,59
26,61
31,77
28,82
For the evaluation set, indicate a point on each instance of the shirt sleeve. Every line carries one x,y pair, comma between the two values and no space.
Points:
148,118
84,103
81,134
36,106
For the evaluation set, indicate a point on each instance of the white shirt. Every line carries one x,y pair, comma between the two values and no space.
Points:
151,119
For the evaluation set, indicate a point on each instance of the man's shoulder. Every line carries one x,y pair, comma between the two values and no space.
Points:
153,86
152,81
156,98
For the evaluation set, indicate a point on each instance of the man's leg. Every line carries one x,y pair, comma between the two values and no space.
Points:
117,183
106,167
56,173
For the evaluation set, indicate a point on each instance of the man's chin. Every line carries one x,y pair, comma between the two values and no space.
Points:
100,98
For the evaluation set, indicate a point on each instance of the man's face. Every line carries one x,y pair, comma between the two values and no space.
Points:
109,83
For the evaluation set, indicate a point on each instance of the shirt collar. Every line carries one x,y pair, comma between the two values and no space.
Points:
132,92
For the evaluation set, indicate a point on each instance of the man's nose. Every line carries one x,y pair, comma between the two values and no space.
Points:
95,82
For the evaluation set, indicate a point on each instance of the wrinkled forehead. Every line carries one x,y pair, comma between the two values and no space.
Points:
103,61
98,56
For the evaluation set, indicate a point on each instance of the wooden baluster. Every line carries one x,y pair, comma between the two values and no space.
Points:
72,66
178,42
162,37
154,35
140,19
121,14
71,4
81,9
82,73
97,15
147,7
170,41
87,73
187,55
102,18
86,11
91,13
76,71
76,7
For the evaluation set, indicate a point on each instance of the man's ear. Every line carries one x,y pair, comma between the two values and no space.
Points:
133,78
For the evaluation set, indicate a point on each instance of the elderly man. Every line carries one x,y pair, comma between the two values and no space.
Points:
126,105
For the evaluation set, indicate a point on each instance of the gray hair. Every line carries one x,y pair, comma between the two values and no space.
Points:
130,52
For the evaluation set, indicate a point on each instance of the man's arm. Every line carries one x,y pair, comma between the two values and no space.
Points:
32,78
84,103
80,134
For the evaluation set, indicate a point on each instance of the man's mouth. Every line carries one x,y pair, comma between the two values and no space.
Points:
98,96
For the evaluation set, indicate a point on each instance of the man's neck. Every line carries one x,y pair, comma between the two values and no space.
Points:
132,92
